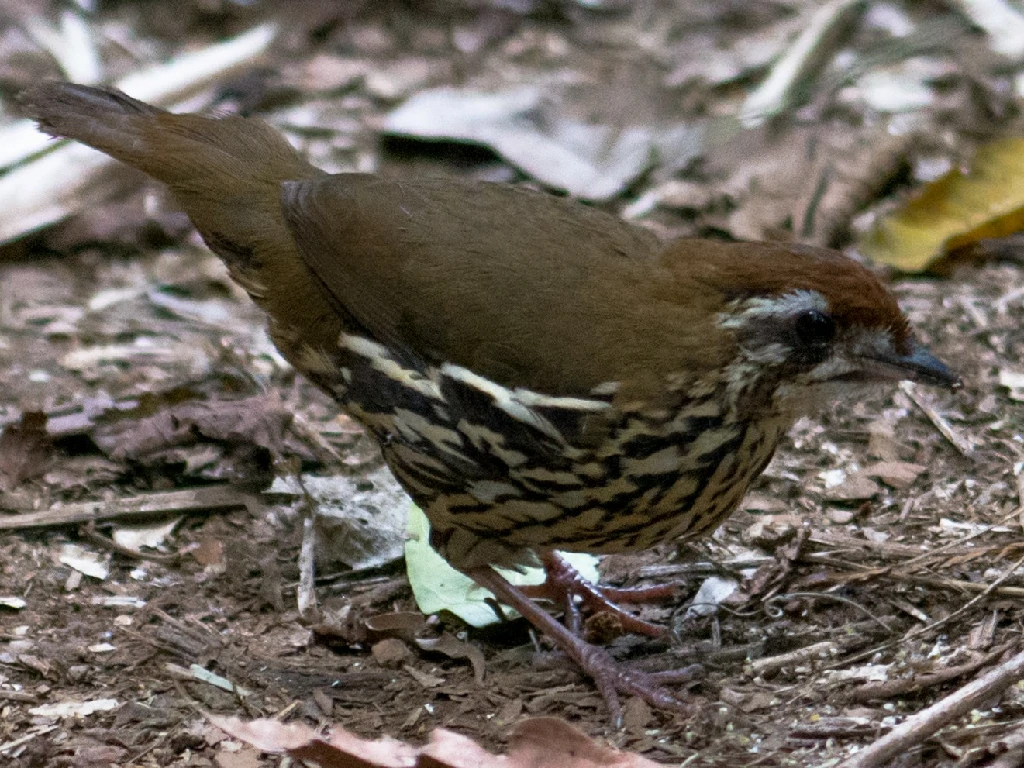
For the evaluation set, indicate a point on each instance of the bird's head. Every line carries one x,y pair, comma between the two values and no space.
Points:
802,318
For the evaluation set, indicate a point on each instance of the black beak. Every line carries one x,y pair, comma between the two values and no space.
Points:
919,365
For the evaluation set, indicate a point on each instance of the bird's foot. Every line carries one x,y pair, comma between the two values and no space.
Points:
612,678
564,584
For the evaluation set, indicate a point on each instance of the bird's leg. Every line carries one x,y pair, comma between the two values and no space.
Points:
564,583
610,677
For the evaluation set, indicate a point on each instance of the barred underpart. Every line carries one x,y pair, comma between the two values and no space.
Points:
501,473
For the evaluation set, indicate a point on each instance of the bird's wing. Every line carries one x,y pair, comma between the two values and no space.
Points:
526,289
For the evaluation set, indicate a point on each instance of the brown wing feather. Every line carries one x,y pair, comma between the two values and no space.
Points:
523,288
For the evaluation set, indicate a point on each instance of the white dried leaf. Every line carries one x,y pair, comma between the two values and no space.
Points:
84,561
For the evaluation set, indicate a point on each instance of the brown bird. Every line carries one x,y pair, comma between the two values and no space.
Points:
539,375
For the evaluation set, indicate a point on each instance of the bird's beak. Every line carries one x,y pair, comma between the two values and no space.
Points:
919,365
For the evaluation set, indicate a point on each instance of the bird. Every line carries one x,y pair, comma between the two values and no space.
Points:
539,375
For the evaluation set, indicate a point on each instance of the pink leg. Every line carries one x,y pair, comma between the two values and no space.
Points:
564,583
611,678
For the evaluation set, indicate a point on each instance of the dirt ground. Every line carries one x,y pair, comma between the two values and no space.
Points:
876,563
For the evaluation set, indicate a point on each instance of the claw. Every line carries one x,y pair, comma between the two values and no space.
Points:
610,677
564,583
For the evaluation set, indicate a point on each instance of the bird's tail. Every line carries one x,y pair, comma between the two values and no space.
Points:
175,149
105,119
226,172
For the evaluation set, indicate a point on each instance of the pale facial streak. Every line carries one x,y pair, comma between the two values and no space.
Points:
764,331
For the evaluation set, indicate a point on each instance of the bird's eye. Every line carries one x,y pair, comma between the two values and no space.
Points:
815,329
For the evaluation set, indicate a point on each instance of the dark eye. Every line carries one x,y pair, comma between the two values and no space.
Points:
815,329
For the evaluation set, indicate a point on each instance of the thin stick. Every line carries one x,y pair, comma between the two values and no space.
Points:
892,688
919,727
146,505
306,591
920,631
938,421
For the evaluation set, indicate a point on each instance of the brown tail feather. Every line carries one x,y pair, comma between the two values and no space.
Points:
175,149
100,117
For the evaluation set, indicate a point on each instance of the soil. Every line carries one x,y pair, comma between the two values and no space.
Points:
876,561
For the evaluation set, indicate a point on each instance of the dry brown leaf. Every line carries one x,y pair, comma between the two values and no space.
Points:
391,653
956,210
542,742
454,648
209,552
245,758
261,420
24,448
403,625
896,474
547,742
855,488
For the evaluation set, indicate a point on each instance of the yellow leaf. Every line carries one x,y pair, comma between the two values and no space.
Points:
954,211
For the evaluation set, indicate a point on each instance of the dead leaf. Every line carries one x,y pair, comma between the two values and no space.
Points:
854,488
391,653
99,756
542,742
340,749
144,536
771,530
210,552
958,209
524,126
76,709
714,591
423,678
401,625
636,715
547,742
896,474
158,424
454,648
24,450
243,758
882,443
85,561
360,520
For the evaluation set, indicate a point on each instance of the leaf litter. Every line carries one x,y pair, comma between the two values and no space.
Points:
911,581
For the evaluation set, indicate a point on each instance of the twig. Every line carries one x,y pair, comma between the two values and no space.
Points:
306,592
938,421
963,586
969,604
853,635
917,728
811,652
19,696
802,61
1010,748
24,737
777,613
959,541
892,688
913,634
146,505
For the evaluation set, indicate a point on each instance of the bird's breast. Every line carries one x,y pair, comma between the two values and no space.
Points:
502,472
